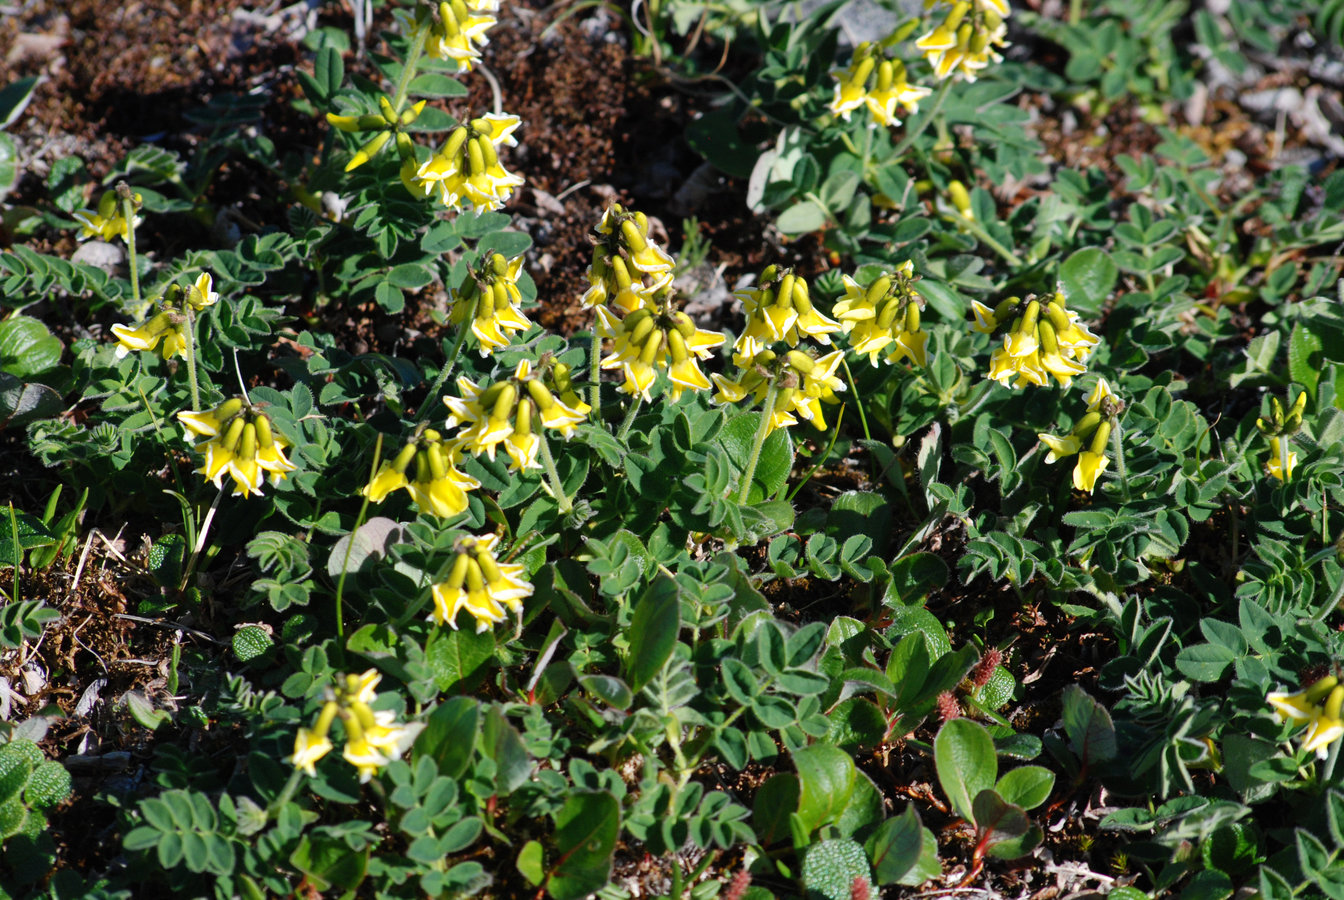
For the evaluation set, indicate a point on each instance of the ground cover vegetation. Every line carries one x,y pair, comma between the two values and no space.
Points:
902,466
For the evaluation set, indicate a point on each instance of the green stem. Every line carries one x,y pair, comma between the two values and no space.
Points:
1330,605
191,351
1329,768
982,233
858,403
408,70
286,794
447,370
912,134
595,375
349,548
629,419
762,431
1117,449
553,474
128,212
200,540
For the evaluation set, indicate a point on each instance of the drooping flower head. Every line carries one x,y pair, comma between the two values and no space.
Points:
480,584
779,308
238,441
655,338
1040,340
489,298
801,385
427,469
372,739
510,412
884,316
165,331
876,82
1092,431
458,32
964,42
108,221
1278,429
1318,707
628,266
466,171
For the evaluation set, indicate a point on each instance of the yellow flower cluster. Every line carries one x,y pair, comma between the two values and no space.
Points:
1318,707
1042,340
1102,407
964,43
801,384
491,301
387,124
1279,427
458,34
779,308
108,221
168,326
884,314
372,739
628,267
480,584
510,412
239,442
436,485
650,339
466,171
876,82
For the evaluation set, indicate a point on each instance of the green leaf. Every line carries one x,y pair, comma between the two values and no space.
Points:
896,846
20,403
434,84
501,742
913,576
328,862
1306,359
830,869
20,531
27,348
449,735
801,218
456,658
826,777
9,164
1205,662
653,631
1089,727
775,801
1027,786
14,99
585,838
1010,832
250,642
963,754
776,459
1086,279
530,863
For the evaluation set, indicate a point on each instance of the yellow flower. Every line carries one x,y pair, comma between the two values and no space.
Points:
649,340
107,221
1102,407
1319,708
239,442
778,309
1090,465
362,755
459,33
876,82
310,746
490,299
438,487
884,315
1045,340
167,327
1281,465
509,412
802,384
1060,447
480,584
963,43
628,267
202,293
466,170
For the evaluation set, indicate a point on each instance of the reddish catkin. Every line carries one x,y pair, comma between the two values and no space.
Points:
738,886
859,889
984,669
948,708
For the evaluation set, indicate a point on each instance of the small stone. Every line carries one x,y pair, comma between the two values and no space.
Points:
101,255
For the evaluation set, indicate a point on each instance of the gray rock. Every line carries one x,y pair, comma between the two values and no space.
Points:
100,254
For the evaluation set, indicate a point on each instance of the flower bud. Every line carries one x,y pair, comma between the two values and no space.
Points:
247,445
785,296
453,145
961,198
522,422
233,435
410,115
878,289
540,395
475,158
265,439
885,75
1100,437
862,70
389,114
800,361
1320,689
368,151
633,239
404,457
